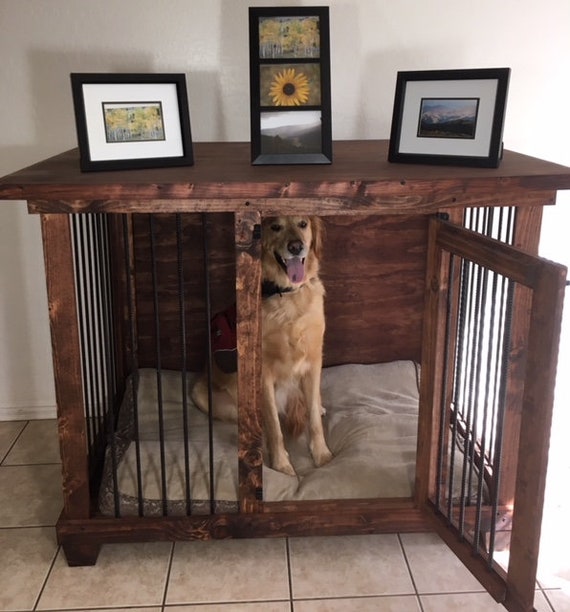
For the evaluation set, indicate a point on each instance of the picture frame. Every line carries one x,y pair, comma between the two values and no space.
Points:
449,117
290,91
130,121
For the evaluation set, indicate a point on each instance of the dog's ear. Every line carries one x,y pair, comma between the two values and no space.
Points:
318,231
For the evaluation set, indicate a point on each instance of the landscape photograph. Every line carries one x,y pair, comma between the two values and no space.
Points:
133,122
289,37
448,118
291,132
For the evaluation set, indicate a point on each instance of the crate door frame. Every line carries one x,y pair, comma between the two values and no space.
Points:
545,282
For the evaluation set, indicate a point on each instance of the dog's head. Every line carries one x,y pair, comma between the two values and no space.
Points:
291,248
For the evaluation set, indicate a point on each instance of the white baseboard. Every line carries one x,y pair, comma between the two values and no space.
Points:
27,413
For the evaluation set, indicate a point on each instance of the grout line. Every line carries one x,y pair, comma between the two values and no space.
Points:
11,447
48,574
289,574
168,571
544,594
40,464
34,526
418,599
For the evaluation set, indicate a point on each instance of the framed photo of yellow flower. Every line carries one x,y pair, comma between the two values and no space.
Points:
290,85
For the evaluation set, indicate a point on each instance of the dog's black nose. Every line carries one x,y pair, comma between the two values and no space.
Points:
295,247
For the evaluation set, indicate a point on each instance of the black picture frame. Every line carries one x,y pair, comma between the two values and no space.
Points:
449,117
130,121
290,91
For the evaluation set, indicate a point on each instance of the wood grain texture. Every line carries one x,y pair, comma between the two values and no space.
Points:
380,306
373,270
221,270
536,419
359,180
431,388
340,520
375,261
58,257
546,281
248,294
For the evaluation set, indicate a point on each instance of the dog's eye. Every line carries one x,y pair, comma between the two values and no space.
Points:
302,224
276,227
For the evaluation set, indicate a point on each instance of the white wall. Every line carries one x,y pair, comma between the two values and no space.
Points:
42,41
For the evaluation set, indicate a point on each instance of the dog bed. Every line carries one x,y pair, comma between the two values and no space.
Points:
370,426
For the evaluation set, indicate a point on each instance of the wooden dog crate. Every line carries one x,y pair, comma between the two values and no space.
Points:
436,266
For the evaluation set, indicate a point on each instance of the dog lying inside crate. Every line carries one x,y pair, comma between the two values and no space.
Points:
293,326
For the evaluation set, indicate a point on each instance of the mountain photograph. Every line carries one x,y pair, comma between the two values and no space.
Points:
291,132
448,118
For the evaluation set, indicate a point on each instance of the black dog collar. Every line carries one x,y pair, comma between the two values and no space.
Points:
269,289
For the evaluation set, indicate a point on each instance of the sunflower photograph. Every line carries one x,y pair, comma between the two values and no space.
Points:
290,85
289,82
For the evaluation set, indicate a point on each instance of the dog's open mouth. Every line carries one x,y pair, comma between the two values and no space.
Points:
294,267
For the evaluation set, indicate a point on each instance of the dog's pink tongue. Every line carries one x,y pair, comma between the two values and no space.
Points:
295,270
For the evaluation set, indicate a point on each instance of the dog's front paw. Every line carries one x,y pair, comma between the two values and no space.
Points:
282,464
285,468
321,455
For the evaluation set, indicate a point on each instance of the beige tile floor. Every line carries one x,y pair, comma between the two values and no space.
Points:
394,573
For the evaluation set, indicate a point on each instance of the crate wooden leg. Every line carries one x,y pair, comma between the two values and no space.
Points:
80,554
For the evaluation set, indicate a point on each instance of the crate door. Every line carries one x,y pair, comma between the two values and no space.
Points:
490,344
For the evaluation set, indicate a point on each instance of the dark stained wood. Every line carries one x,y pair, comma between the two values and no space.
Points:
431,388
380,306
248,293
547,282
66,363
221,269
503,258
492,581
79,553
377,262
526,238
223,179
340,521
373,270
536,419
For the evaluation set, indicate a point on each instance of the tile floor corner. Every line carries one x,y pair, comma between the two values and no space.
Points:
385,573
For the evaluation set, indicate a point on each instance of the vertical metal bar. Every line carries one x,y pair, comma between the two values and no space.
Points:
92,301
471,397
444,413
504,284
501,415
158,353
491,340
459,374
134,365
108,352
79,263
511,225
183,361
99,322
107,313
205,251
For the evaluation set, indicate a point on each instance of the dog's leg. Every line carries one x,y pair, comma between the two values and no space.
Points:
278,455
317,444
224,399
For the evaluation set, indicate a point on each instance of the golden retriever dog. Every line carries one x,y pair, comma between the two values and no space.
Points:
293,326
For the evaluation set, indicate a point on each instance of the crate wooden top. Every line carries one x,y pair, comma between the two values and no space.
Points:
222,178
